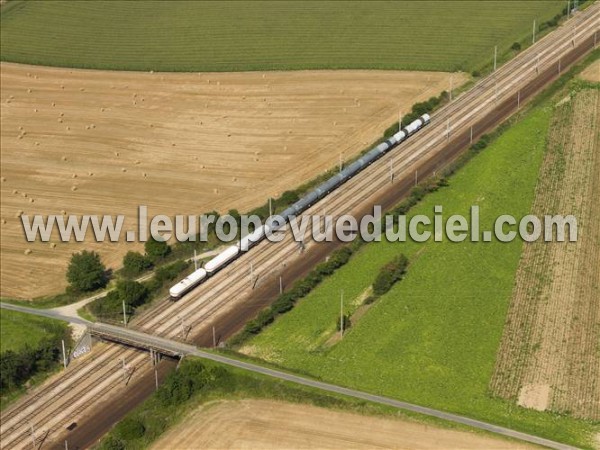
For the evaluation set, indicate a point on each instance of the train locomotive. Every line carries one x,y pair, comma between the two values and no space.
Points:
276,222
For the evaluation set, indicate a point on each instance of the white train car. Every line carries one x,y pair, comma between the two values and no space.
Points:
187,284
222,259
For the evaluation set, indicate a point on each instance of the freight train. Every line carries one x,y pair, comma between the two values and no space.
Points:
276,222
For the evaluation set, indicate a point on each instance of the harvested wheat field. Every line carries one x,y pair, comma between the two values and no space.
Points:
592,72
95,142
549,357
264,424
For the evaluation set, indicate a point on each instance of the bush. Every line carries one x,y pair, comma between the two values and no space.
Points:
516,46
347,323
134,263
86,272
476,74
370,299
156,250
390,274
134,294
130,428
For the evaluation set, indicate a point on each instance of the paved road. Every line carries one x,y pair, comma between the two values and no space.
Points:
148,341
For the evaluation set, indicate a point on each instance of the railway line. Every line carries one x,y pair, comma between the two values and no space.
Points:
68,398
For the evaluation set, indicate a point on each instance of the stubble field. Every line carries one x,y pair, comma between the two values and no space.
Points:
88,142
549,357
264,424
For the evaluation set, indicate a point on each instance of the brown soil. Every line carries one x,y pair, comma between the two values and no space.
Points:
549,356
592,73
261,424
94,142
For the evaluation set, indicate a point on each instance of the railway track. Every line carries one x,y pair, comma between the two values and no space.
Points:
66,399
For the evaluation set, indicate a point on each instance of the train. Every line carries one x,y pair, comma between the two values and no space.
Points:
276,222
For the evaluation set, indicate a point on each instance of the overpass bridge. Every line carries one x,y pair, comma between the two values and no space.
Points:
147,341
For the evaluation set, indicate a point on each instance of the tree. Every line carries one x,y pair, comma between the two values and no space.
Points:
134,263
86,272
156,250
516,46
132,293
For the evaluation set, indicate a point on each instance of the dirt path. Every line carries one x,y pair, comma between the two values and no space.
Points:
549,356
93,142
592,73
263,424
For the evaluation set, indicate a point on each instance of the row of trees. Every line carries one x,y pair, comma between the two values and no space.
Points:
86,272
18,366
287,300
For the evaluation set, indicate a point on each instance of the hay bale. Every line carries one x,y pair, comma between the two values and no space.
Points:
29,91
73,188
116,153
145,175
15,192
63,212
19,213
3,221
91,174
68,128
3,179
31,200
123,169
53,104
28,251
74,175
52,245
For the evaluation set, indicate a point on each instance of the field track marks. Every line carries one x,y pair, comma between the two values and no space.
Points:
549,356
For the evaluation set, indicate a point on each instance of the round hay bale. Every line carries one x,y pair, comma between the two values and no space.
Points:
15,192
3,179
123,169
28,251
31,200
74,175
52,245
63,212
24,194
116,153
19,213
68,128
145,175
73,188
53,104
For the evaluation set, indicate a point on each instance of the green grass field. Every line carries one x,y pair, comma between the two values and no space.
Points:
257,35
18,329
433,338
